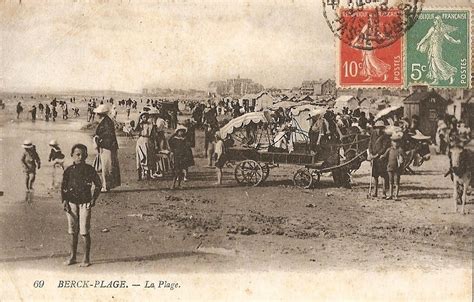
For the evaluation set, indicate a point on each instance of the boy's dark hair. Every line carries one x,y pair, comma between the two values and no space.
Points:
80,147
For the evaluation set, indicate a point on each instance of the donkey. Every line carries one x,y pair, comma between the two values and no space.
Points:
462,169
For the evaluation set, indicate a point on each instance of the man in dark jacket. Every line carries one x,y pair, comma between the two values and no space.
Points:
108,149
378,144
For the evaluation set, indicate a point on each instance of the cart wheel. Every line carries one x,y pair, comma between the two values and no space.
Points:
248,173
303,179
266,171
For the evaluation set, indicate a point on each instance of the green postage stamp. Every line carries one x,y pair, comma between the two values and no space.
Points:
438,49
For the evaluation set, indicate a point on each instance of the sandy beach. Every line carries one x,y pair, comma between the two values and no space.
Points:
275,226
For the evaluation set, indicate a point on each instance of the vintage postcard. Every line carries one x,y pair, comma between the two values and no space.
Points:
236,150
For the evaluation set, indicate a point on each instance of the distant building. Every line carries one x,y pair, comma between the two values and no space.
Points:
167,92
217,87
274,91
320,87
236,86
328,87
307,87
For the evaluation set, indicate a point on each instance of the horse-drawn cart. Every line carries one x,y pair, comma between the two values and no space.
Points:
255,152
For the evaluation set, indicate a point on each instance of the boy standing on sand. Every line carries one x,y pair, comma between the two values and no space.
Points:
78,201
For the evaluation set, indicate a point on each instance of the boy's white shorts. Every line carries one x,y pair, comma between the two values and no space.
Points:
79,217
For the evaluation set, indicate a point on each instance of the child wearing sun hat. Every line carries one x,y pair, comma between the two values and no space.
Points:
56,156
179,147
30,161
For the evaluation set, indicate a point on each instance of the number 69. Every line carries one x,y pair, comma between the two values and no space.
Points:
38,284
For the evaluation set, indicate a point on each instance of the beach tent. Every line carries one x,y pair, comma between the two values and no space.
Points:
305,98
429,106
348,101
323,101
263,101
369,105
248,100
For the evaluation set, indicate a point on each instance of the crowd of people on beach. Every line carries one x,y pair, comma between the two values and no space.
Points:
448,128
156,154
159,153
394,141
48,111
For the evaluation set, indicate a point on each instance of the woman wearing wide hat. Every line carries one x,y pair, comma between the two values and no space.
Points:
145,149
108,149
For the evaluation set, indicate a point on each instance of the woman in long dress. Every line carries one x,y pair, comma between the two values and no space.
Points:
162,159
372,66
432,45
108,149
145,148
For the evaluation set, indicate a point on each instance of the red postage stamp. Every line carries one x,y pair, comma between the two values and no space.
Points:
370,55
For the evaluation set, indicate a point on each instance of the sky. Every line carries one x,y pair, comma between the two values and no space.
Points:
128,45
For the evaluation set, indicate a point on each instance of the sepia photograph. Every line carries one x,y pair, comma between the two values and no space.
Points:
236,150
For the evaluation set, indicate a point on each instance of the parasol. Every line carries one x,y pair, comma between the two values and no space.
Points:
389,111
297,110
317,112
420,136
